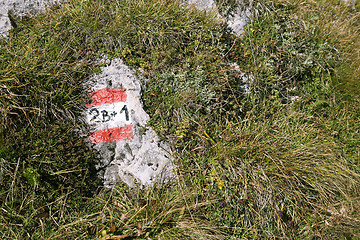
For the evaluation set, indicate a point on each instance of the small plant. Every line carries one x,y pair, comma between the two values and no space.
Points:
31,175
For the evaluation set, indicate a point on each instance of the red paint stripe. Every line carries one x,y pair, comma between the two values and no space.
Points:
112,134
106,95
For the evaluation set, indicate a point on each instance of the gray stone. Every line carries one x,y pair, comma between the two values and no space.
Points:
204,4
20,8
245,80
139,160
236,18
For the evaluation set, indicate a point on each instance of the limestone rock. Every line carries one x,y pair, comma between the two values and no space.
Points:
129,150
236,18
245,80
20,8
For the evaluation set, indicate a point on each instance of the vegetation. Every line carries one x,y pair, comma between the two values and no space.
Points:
279,161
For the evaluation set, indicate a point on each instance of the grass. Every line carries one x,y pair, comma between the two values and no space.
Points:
254,165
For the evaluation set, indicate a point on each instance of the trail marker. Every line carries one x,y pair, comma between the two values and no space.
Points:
109,114
129,150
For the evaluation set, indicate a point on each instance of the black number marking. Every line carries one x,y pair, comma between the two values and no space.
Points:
105,116
92,111
126,112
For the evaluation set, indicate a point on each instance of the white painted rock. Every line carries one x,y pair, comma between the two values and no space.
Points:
20,8
129,149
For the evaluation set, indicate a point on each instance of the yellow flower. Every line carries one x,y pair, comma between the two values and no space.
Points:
221,184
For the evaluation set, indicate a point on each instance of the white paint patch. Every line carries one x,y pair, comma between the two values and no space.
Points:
109,116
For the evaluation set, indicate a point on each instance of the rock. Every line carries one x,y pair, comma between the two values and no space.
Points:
236,18
20,8
204,4
245,80
129,150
